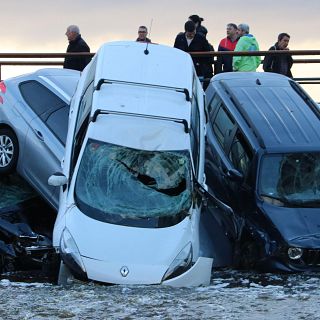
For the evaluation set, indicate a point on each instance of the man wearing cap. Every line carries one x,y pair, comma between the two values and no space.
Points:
190,41
199,28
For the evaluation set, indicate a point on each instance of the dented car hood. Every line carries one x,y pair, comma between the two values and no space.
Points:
298,226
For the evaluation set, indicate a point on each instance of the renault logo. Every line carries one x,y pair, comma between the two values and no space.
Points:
124,271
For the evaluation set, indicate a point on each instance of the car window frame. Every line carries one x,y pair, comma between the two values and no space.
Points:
46,113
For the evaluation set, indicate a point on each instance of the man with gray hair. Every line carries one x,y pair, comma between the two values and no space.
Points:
76,44
247,42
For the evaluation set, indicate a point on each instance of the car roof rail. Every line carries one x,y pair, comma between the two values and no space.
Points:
108,81
243,112
184,122
312,105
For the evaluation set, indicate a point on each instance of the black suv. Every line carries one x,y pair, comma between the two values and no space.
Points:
263,161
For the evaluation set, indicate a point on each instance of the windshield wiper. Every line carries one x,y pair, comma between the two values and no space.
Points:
282,200
313,203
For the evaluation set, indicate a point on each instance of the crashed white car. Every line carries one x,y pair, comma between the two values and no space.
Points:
129,204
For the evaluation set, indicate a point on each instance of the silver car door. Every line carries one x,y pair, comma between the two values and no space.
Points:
42,157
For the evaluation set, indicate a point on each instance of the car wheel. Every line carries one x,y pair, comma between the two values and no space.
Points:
9,151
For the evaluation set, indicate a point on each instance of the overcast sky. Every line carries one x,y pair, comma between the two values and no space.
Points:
40,25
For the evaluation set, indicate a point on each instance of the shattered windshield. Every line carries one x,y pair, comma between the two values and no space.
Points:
121,185
291,179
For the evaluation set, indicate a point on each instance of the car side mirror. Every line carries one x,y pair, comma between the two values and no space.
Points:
235,175
58,179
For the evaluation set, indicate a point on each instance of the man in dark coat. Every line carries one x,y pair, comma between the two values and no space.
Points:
190,41
279,63
76,44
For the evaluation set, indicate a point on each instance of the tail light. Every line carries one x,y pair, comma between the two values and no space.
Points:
3,87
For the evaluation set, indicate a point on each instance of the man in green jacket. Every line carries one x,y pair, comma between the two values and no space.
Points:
247,42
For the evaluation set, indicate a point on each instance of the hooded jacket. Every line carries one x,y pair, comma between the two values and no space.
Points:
246,63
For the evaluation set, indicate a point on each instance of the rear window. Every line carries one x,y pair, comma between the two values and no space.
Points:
40,99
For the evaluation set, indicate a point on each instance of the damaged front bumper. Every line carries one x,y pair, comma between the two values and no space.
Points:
20,247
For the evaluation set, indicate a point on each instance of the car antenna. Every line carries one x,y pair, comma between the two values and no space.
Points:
146,51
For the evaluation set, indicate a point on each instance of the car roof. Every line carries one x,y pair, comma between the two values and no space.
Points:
275,108
135,81
138,62
62,80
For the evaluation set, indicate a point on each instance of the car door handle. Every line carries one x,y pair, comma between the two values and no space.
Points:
38,134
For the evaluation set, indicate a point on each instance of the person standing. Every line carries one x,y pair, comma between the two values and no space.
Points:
199,28
224,63
76,44
279,63
142,34
190,41
246,42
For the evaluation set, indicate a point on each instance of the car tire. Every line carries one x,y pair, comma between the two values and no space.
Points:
9,151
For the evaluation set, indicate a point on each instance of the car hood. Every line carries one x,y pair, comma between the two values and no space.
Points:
298,226
147,253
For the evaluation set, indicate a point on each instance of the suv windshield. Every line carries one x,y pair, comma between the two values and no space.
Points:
291,179
132,187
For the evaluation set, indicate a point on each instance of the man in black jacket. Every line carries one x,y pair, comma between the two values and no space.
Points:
279,63
190,41
76,44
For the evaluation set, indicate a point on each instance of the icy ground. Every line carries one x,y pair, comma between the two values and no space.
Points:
231,295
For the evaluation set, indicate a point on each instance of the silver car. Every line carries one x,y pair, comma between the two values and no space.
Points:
34,112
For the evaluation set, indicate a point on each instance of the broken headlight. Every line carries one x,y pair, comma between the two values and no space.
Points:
70,252
180,264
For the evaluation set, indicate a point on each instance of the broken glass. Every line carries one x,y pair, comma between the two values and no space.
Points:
132,184
292,178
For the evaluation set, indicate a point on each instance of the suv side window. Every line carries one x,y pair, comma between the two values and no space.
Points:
240,153
223,127
40,99
195,130
214,105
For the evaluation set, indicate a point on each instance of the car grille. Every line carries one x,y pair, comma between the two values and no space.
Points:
311,257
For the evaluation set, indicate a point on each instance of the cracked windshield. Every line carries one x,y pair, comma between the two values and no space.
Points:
128,183
291,179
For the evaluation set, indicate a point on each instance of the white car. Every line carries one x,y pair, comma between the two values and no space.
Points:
129,205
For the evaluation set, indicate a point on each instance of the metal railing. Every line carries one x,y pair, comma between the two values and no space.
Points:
15,59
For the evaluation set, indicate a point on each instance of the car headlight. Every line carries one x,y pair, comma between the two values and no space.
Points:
295,253
69,250
180,264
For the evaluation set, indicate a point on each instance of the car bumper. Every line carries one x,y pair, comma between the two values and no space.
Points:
108,272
